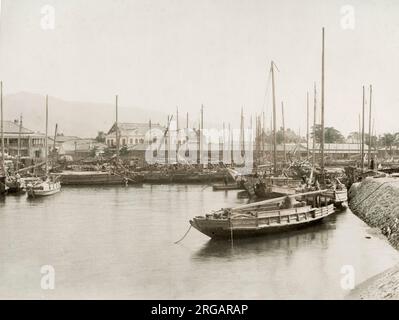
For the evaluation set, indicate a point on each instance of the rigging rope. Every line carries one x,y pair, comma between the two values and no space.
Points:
184,235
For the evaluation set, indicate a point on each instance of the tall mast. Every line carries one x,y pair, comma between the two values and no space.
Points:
314,126
2,129
370,133
150,135
231,145
177,119
282,113
54,143
362,153
177,135
187,137
263,133
201,132
322,109
19,143
117,128
359,135
274,122
167,141
242,145
46,139
307,124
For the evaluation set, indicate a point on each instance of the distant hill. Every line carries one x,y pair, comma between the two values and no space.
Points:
83,119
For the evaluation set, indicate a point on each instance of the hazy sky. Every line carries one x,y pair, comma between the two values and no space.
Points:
158,54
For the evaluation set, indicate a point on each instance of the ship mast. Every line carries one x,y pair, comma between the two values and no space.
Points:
282,113
19,143
2,129
274,122
46,138
362,147
307,124
322,109
314,127
370,133
117,129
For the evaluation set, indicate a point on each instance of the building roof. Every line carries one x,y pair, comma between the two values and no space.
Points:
82,145
135,128
13,127
62,139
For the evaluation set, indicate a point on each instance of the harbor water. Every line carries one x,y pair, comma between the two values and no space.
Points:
118,243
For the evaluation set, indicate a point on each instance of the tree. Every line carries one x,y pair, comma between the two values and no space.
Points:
101,137
290,137
387,140
331,135
356,137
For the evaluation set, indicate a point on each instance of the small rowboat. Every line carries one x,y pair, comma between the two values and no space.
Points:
269,216
44,188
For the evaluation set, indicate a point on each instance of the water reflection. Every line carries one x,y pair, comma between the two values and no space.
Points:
316,235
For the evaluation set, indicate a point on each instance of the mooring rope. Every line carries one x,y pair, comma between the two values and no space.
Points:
184,235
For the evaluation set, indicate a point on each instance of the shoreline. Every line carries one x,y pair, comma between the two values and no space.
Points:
374,202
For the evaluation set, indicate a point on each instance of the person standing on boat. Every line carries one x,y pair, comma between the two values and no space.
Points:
225,179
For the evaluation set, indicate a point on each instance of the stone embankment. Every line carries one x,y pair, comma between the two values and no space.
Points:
376,201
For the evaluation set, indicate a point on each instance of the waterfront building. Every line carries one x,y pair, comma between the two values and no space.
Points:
32,144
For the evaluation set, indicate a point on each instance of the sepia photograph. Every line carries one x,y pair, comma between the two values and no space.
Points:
213,150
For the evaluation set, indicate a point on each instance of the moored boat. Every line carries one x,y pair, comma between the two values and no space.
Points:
15,184
45,187
229,186
269,216
48,185
90,178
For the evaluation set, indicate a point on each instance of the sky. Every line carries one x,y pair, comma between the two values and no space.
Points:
159,54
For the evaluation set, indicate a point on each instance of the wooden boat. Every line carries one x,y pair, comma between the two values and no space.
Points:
90,178
15,185
230,186
49,185
264,217
3,186
46,187
338,196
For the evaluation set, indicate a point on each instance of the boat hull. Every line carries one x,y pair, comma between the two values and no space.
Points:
44,189
87,178
37,193
260,226
223,187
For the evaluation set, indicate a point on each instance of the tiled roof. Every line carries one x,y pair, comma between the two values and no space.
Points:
13,127
62,139
135,128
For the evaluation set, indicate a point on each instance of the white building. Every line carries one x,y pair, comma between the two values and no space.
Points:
131,134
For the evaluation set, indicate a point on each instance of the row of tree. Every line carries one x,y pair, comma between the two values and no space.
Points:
332,135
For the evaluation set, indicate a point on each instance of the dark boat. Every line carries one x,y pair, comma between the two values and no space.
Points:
269,216
16,185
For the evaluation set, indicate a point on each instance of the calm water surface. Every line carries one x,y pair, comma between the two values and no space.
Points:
119,243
